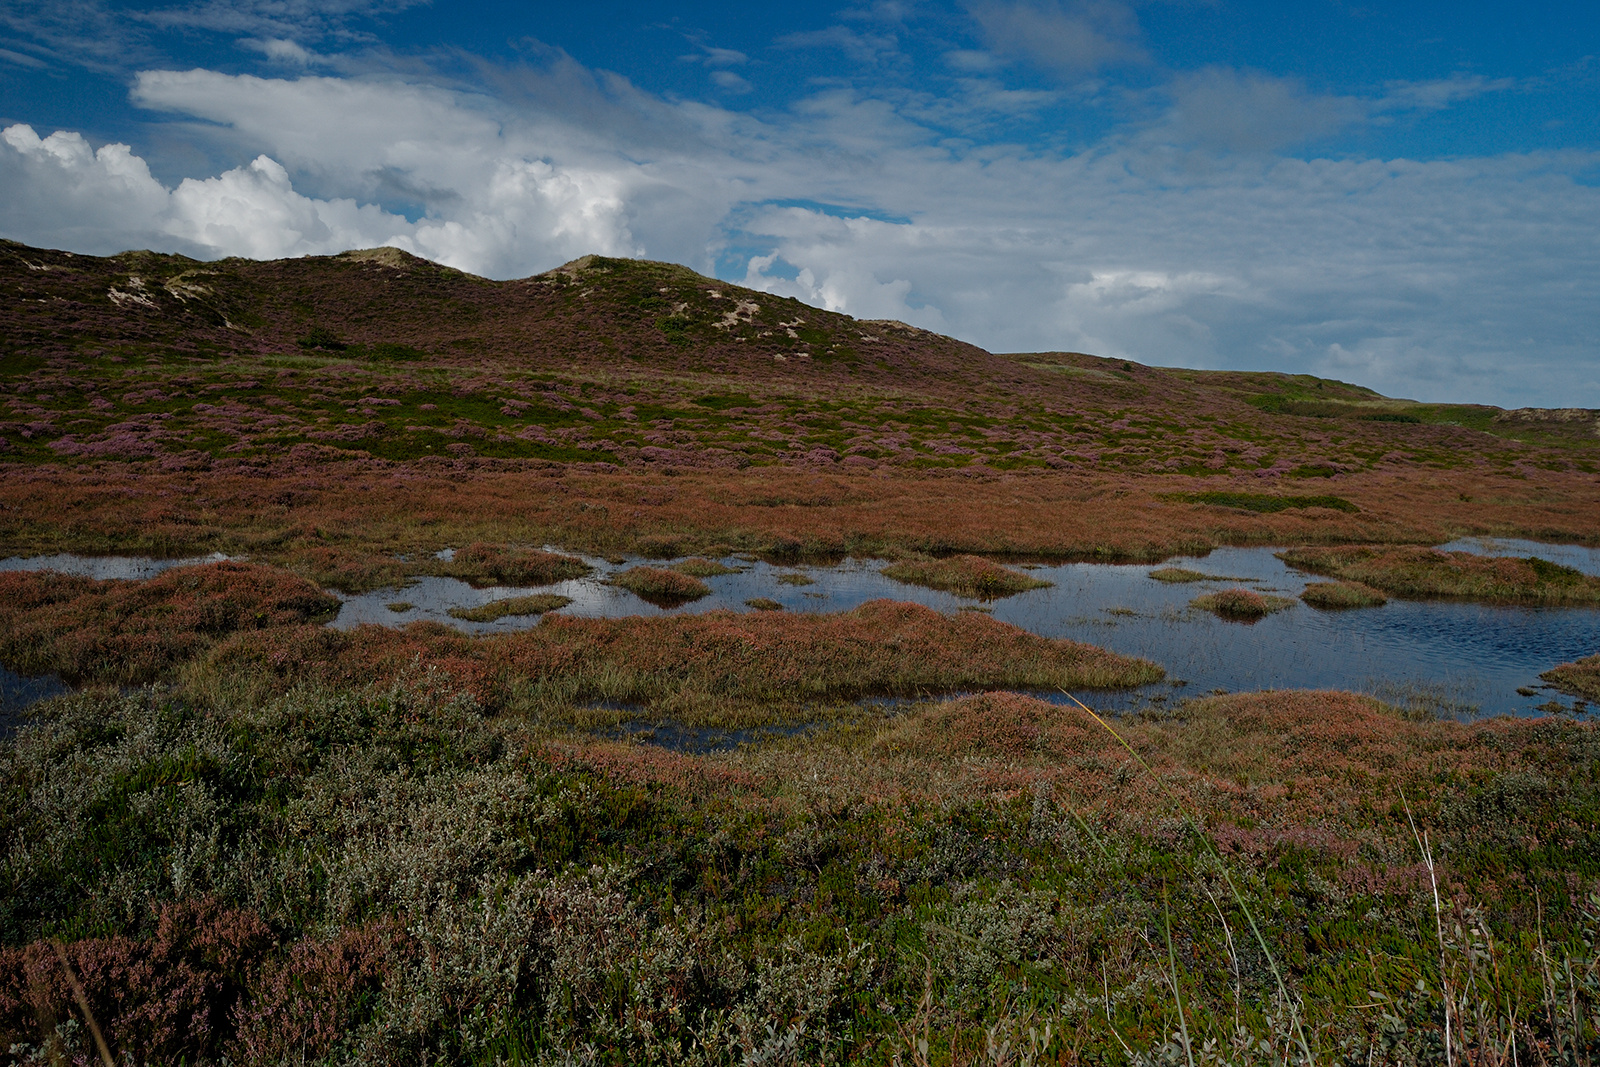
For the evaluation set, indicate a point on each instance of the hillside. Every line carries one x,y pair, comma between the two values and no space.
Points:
147,366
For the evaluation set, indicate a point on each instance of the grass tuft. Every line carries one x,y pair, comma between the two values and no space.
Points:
1240,604
1342,595
537,604
1581,679
761,603
1179,574
1420,573
971,576
699,567
659,586
485,564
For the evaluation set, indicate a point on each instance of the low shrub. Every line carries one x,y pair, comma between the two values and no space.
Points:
971,576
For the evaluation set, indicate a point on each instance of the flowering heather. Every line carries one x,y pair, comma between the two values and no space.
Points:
1240,604
661,586
966,575
1580,679
1342,595
122,631
485,564
1426,572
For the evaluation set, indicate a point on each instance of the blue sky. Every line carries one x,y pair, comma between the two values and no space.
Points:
1402,195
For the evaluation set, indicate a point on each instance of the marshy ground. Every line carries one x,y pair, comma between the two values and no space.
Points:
255,837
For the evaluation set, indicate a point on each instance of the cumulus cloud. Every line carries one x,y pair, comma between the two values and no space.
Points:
1450,279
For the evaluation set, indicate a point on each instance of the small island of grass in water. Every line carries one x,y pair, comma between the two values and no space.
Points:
1338,595
1580,679
1410,571
965,575
537,604
661,587
1241,604
1177,575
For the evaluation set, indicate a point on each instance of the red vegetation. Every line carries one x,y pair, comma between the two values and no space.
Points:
122,631
208,980
880,647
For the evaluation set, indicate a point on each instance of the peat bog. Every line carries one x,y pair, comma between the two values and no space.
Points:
620,666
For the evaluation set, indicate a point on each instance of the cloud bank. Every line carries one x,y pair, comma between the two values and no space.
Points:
1185,237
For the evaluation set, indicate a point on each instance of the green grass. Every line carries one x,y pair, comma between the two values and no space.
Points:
1342,595
537,604
1180,574
1241,604
967,575
1267,503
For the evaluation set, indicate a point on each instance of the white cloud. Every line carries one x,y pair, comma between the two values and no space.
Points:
1220,108
1453,279
1073,37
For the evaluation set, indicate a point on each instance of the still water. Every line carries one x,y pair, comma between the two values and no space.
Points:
1455,658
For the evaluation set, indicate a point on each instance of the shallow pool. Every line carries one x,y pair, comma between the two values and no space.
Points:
1454,658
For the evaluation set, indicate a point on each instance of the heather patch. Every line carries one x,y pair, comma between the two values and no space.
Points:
537,604
1425,572
128,632
386,875
1244,604
967,575
1581,678
1342,595
1267,503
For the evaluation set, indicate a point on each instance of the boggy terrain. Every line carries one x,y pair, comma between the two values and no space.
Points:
395,845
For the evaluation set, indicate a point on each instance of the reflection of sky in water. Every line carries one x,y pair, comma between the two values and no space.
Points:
1460,655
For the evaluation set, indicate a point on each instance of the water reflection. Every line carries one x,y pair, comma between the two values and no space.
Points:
130,568
1456,658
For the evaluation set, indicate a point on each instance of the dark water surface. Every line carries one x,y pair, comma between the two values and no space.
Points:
1455,658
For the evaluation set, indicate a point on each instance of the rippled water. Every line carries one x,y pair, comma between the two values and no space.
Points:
1453,657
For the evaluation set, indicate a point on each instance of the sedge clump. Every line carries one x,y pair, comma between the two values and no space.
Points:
965,575
660,586
1240,604
1339,595
537,604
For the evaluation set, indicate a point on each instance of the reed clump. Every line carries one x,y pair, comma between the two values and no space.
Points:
1421,573
971,576
1339,595
537,604
658,585
1243,604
